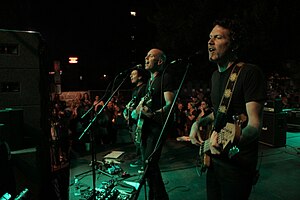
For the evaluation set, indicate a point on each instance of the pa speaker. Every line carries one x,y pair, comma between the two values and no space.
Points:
23,79
24,86
274,129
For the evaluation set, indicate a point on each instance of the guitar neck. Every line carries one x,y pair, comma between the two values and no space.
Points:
226,136
205,147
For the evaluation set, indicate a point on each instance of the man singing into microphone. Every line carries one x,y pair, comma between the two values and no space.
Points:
230,174
153,109
138,78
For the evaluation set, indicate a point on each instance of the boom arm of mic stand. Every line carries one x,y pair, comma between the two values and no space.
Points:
93,106
88,111
100,111
92,140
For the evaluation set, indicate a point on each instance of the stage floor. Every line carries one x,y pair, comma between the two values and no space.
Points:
279,172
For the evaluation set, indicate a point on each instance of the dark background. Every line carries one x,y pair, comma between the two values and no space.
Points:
100,34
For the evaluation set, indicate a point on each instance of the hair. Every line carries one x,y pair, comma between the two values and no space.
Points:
143,74
238,33
162,56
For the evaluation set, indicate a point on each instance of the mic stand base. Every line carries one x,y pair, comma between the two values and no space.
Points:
93,196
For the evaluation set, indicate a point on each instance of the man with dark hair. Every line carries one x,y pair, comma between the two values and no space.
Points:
238,93
139,79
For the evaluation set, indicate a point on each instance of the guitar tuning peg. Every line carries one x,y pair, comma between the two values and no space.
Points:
235,117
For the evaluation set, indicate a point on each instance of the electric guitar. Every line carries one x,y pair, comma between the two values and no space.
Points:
226,138
145,101
128,108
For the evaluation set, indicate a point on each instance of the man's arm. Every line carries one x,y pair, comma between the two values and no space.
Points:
136,112
194,132
252,130
169,97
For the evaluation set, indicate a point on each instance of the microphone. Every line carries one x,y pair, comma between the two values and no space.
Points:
176,61
138,66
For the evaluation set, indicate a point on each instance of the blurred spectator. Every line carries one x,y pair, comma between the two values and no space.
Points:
180,119
204,110
191,115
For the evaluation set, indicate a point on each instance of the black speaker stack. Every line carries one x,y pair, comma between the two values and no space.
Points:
24,108
274,127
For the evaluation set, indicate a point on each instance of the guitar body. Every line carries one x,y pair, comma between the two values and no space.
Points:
128,109
138,131
205,161
145,101
226,139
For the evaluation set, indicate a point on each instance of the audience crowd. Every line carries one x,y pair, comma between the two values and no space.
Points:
70,119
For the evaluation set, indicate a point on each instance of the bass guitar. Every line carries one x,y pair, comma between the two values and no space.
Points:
226,138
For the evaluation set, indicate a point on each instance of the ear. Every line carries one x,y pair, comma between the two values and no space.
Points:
159,61
234,47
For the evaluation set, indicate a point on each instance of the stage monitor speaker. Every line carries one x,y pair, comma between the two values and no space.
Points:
274,129
23,79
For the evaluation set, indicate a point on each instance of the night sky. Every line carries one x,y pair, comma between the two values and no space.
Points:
99,33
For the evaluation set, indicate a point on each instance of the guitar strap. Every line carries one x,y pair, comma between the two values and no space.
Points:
222,110
223,107
226,99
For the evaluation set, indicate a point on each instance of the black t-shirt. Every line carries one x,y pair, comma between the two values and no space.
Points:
250,86
156,90
137,94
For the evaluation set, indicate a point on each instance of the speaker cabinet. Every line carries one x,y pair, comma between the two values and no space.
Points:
274,129
23,79
24,85
12,120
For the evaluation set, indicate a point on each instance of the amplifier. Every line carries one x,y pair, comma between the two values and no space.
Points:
273,106
274,129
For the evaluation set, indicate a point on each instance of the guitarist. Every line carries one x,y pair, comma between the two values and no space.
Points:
161,90
231,178
139,79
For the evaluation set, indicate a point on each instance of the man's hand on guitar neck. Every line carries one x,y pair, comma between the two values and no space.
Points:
146,112
214,143
194,132
213,140
195,135
140,109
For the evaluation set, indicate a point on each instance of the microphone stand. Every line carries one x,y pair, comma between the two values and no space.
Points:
149,159
93,106
92,138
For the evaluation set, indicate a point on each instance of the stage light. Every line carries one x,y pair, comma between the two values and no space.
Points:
73,60
133,13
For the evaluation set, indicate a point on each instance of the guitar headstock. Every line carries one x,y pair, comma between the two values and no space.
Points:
147,99
131,103
239,119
